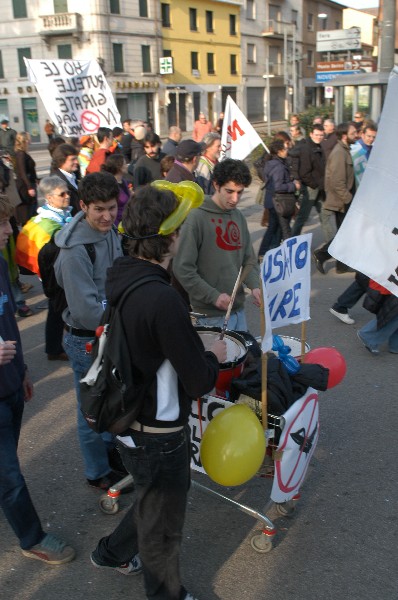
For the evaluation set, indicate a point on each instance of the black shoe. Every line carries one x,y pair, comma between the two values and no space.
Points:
116,463
318,262
104,483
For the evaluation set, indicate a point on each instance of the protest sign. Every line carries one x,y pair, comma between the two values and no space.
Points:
202,412
75,94
286,282
367,240
238,137
296,445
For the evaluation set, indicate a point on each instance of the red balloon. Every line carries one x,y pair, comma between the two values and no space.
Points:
332,360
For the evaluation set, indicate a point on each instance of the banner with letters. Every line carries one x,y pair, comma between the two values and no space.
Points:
286,281
238,137
75,94
367,240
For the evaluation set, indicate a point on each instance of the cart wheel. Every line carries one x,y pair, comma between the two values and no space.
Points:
285,509
109,506
261,543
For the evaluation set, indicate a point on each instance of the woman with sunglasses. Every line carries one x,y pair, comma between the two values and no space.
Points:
37,232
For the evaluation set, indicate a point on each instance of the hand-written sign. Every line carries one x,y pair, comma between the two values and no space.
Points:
286,281
75,94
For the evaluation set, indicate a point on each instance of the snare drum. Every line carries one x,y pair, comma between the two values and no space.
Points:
236,356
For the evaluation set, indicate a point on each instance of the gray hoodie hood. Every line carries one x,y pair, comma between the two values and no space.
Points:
77,232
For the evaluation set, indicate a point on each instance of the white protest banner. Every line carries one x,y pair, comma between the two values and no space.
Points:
286,281
367,241
296,445
238,137
75,94
202,412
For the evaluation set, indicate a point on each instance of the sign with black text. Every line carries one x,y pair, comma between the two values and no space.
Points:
75,94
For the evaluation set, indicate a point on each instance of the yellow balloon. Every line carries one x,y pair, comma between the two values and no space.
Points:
233,446
189,195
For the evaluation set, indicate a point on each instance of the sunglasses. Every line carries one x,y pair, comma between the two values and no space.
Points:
62,194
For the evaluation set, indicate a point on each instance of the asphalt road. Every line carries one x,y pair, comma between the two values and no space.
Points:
341,541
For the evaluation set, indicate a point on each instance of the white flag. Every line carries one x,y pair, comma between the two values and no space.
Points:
75,94
238,136
367,241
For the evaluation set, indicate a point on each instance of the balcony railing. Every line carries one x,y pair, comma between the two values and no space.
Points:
278,29
61,24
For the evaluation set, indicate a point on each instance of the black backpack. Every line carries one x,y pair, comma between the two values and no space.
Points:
110,399
260,163
47,256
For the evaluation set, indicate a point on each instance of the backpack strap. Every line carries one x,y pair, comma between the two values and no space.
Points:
137,284
90,248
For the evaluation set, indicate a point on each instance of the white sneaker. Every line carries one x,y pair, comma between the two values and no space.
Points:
344,317
190,597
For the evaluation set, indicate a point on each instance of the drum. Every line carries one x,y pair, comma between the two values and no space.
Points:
236,356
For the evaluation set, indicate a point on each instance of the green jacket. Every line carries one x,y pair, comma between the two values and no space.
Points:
214,244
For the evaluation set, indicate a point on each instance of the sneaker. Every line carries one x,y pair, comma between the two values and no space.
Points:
344,317
133,567
25,311
374,351
51,550
105,482
190,597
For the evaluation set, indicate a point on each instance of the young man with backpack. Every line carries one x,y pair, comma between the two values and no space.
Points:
88,246
170,367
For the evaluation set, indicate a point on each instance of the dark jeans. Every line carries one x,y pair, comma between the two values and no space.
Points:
54,330
309,198
273,235
160,465
14,495
352,294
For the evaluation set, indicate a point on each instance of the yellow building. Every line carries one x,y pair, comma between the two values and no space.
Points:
203,39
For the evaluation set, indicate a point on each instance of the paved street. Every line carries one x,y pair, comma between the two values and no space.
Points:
339,545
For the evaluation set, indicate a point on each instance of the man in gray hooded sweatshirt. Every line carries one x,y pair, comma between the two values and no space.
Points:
89,245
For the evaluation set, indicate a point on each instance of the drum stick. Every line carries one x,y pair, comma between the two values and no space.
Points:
303,339
229,309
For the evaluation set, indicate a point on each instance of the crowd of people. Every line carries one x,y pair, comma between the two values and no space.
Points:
95,184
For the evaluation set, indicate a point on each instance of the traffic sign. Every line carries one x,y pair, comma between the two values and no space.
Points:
328,91
339,34
338,45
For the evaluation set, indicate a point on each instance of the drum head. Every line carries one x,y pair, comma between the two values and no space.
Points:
236,348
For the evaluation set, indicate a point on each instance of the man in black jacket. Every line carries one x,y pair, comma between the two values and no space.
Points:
66,166
170,367
312,173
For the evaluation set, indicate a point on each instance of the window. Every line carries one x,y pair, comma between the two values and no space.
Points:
60,6
1,66
310,22
295,17
64,51
143,7
250,9
233,63
324,23
23,53
209,21
310,58
251,53
118,63
194,61
165,15
193,19
146,59
337,25
114,7
232,24
19,9
210,63
167,52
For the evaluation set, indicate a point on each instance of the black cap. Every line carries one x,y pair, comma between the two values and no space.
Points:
188,149
4,121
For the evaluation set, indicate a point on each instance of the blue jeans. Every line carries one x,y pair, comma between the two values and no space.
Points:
94,446
15,499
237,321
160,465
374,337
